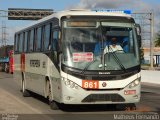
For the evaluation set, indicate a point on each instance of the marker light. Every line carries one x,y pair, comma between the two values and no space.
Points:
114,11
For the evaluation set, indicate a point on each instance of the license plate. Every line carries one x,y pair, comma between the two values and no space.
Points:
90,84
130,92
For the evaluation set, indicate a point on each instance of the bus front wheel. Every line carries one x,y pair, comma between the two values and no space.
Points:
126,107
53,104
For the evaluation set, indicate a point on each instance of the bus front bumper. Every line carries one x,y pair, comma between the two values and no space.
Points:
82,96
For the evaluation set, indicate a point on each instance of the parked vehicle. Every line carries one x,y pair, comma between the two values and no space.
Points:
6,58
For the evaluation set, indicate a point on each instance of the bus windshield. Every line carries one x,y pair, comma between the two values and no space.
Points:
99,45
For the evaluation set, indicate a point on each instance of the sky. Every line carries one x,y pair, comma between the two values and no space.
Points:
57,5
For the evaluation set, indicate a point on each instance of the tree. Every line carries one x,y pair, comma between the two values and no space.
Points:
142,55
157,40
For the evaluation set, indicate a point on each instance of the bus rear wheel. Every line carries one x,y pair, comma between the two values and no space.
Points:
24,91
6,67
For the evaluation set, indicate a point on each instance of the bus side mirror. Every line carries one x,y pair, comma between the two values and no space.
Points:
59,42
56,35
138,29
139,40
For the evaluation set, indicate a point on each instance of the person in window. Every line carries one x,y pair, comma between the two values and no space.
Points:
114,47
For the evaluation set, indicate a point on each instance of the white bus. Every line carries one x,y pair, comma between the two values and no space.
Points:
62,58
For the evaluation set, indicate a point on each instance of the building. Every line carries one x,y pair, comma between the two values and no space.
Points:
156,54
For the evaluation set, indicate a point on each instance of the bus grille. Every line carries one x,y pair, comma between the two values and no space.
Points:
103,97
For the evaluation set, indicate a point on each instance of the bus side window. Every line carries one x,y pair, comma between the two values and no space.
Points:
55,41
26,41
31,40
38,38
21,42
46,37
16,43
55,46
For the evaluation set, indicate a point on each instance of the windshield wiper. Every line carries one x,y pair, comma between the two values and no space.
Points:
87,66
115,57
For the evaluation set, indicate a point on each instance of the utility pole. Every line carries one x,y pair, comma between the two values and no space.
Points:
152,41
146,21
4,34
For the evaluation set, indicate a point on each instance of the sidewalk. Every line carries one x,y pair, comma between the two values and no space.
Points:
150,76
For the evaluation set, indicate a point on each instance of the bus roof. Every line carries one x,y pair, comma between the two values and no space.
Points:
77,12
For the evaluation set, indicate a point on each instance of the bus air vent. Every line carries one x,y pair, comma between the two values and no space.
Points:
103,97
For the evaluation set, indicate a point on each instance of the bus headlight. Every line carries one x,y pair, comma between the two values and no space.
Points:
70,83
134,83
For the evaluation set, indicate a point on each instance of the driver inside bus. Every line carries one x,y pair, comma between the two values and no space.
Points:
111,46
114,47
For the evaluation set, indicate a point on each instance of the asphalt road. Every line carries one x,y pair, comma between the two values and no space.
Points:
36,107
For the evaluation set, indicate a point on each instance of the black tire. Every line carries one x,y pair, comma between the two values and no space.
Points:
6,67
25,92
0,67
132,106
126,107
53,104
